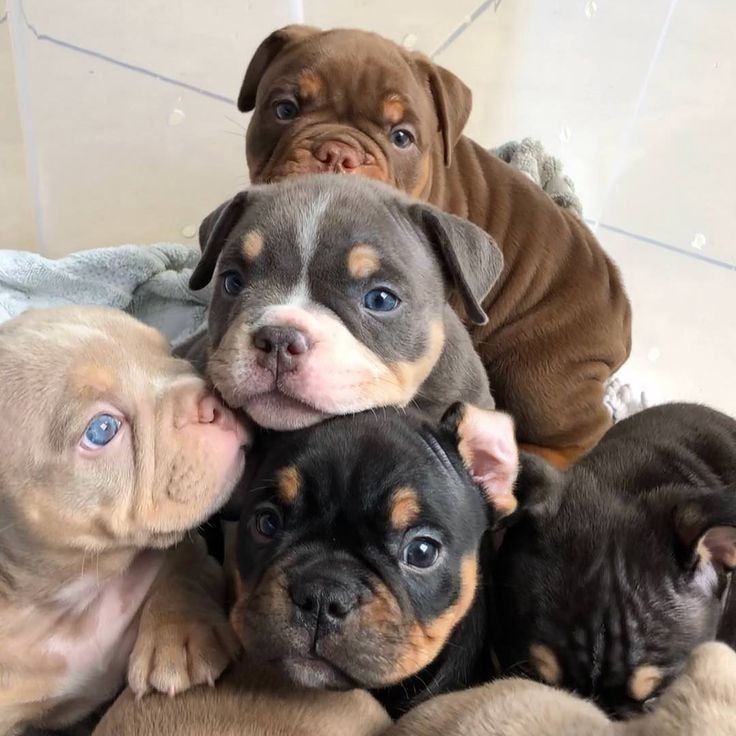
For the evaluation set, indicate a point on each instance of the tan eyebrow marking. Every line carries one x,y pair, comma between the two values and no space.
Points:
289,483
644,681
252,245
546,663
363,261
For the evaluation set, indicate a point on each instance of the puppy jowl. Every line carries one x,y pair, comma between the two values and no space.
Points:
359,556
331,297
612,572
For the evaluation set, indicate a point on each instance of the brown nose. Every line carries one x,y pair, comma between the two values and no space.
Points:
280,347
338,156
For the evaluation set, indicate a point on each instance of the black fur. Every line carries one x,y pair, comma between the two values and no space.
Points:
600,563
337,536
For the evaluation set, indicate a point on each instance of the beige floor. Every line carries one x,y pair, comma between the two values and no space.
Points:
117,125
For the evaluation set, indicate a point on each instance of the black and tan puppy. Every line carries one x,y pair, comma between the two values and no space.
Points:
331,298
612,572
359,552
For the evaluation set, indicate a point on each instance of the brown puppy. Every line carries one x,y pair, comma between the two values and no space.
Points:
559,322
247,702
111,451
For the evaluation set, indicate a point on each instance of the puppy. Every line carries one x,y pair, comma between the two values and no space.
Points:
112,450
702,700
612,572
559,322
359,552
248,701
331,297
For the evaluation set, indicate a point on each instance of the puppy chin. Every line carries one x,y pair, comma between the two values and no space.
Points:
282,413
315,673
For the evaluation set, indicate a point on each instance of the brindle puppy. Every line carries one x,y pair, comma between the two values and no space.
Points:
612,572
359,552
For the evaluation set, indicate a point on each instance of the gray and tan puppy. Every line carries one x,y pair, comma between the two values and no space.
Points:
111,451
248,701
331,298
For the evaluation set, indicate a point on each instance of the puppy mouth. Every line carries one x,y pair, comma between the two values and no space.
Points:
277,410
315,672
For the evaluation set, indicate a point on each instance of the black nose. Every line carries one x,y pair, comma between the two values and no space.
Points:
323,601
280,347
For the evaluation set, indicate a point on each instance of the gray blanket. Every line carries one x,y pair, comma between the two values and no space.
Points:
148,282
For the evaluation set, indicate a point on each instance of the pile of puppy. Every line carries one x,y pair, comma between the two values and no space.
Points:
400,399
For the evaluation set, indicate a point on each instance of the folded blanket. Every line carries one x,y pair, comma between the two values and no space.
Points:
148,282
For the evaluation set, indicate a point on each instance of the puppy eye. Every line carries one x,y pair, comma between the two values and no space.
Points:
285,109
401,138
100,432
267,523
232,283
381,300
421,552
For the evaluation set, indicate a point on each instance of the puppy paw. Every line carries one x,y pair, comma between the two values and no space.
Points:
175,656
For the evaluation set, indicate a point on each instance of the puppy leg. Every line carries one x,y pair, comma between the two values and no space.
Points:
184,638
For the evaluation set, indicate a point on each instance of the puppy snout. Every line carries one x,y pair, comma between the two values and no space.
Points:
323,603
338,156
280,347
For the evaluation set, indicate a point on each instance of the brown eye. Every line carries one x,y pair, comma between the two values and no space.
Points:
286,109
421,552
267,523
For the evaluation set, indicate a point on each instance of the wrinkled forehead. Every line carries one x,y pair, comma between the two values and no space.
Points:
385,472
361,71
57,368
320,224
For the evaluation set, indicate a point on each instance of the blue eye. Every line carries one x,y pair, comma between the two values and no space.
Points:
286,110
233,283
381,300
100,431
401,138
421,552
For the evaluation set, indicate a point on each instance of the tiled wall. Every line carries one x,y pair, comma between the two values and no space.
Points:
118,125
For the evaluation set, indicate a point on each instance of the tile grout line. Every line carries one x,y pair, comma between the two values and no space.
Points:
119,62
666,246
467,22
297,11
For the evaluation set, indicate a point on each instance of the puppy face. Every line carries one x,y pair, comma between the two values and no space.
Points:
330,296
605,593
358,549
108,442
347,101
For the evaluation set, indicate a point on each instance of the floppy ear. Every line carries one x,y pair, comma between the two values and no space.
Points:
452,101
213,233
486,443
269,49
706,527
469,255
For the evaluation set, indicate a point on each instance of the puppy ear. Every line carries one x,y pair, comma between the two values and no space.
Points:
269,49
469,255
487,445
706,527
213,233
453,101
